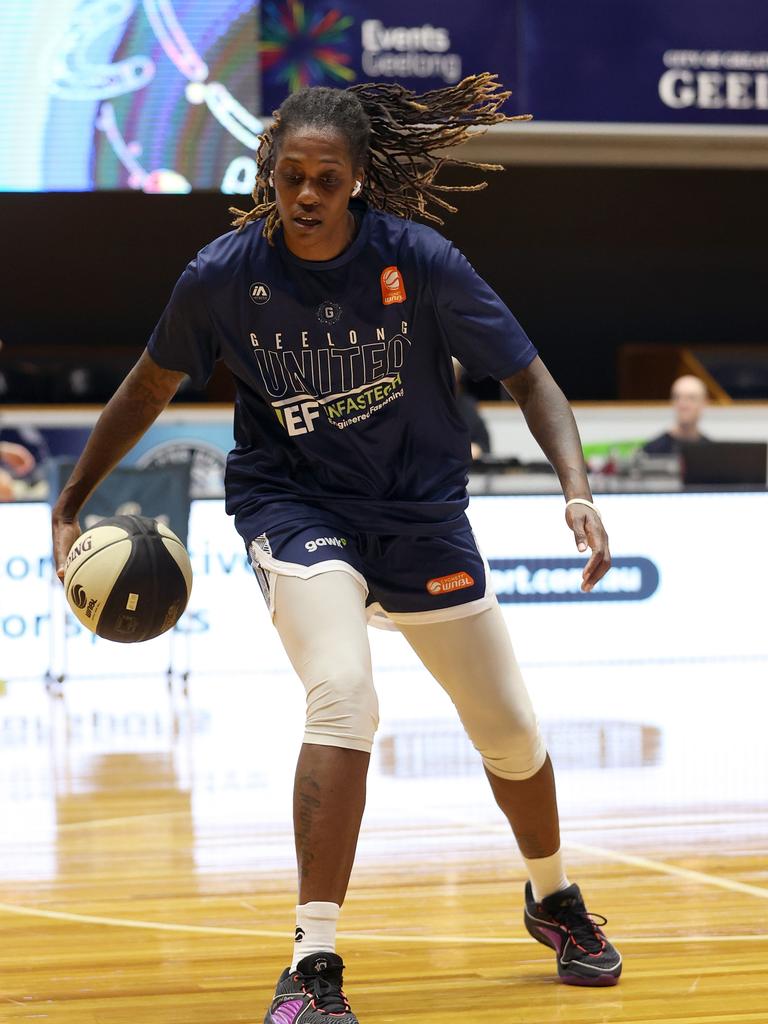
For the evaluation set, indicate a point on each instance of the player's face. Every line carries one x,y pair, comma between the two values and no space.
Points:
314,178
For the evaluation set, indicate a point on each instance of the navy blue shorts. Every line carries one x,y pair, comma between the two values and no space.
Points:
407,579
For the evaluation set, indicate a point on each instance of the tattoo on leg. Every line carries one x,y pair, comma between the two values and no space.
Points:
307,803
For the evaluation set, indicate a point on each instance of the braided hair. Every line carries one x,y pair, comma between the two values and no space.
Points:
394,134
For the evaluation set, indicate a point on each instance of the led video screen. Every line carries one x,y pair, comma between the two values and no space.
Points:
156,95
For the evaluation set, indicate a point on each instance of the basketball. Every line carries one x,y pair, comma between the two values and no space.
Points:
128,579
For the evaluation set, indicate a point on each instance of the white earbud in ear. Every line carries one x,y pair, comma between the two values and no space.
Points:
271,180
357,189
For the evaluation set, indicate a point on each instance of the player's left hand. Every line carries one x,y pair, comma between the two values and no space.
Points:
589,532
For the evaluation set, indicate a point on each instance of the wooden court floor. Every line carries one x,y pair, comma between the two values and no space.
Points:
156,885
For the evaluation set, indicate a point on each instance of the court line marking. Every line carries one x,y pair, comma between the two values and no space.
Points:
670,869
265,933
118,822
568,825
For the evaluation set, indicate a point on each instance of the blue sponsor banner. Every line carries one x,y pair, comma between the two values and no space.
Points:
541,580
691,61
422,46
598,60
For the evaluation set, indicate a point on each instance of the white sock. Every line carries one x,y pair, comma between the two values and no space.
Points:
315,930
547,875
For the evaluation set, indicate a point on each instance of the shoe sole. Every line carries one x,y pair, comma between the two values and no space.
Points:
571,975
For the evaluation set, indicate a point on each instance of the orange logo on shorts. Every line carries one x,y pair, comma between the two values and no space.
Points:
392,287
445,584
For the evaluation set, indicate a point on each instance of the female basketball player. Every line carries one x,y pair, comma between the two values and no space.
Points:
338,317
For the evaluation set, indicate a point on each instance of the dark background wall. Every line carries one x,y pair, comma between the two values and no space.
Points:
587,258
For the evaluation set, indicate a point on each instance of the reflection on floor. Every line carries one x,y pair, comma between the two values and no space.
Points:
147,850
441,749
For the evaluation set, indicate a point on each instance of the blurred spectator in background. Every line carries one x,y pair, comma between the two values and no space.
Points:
480,440
689,399
19,460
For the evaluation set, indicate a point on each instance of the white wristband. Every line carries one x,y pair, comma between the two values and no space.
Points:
583,501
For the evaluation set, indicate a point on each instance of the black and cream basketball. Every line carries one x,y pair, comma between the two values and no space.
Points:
128,579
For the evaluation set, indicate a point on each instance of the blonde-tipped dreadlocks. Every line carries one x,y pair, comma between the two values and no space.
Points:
394,134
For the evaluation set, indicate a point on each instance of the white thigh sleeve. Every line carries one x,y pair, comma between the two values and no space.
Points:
322,624
473,660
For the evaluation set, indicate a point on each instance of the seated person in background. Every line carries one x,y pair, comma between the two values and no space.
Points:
689,399
480,440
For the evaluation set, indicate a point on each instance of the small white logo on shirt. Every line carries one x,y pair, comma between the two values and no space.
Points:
329,312
260,293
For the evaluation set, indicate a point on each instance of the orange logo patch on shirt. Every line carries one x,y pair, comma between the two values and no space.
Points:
392,286
445,584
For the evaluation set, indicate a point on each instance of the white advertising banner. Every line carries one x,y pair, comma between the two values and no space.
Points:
688,583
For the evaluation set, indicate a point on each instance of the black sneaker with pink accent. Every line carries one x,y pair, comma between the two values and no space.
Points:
312,994
562,922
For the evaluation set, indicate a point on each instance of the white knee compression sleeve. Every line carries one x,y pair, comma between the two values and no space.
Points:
473,660
322,624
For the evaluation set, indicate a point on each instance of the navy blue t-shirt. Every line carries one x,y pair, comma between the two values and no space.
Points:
345,386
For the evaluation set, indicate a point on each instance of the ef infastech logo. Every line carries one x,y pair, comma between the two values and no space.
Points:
521,580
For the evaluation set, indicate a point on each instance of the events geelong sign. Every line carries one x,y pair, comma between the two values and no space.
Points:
684,61
422,46
671,596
